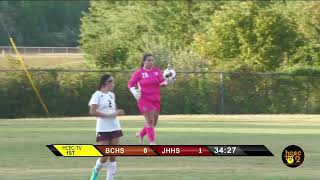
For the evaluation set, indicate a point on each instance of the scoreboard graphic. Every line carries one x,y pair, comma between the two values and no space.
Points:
89,150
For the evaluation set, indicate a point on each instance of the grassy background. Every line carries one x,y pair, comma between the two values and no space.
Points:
58,60
25,156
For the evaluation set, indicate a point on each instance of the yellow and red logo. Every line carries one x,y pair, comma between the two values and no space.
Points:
292,156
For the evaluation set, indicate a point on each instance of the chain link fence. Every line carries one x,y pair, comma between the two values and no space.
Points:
67,92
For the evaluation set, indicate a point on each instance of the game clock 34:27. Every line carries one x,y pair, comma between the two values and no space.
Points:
225,150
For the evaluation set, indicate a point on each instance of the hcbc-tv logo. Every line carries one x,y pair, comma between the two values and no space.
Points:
292,156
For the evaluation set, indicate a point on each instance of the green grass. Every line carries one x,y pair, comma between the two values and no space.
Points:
47,60
25,156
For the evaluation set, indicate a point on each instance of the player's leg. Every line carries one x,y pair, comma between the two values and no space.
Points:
156,118
150,118
102,161
140,135
112,166
156,114
143,106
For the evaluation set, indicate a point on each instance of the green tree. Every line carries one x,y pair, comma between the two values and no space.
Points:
250,36
307,15
42,23
117,33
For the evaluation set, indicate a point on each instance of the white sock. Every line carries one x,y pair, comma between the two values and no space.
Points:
99,165
112,168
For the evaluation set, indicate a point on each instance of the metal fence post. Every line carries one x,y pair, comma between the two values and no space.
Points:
221,94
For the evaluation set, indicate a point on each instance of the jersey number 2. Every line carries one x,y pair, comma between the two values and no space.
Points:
110,104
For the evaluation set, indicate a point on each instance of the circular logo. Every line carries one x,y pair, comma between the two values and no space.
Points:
292,156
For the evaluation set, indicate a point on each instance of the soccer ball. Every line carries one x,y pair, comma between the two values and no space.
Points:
169,75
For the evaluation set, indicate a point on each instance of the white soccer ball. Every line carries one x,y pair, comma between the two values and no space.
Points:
169,75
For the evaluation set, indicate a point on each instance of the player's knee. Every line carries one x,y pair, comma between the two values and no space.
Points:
150,125
112,158
103,159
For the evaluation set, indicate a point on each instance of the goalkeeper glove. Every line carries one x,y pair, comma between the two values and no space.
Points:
136,93
169,81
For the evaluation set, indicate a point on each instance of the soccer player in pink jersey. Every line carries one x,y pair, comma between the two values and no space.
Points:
149,79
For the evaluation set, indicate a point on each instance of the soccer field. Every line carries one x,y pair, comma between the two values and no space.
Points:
23,154
49,60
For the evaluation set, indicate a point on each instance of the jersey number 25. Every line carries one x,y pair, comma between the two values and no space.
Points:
144,75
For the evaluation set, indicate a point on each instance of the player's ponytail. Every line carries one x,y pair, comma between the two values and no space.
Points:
144,59
103,79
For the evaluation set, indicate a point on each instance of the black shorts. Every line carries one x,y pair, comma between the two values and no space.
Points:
108,136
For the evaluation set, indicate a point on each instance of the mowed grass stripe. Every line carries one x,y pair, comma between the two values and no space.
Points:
182,129
195,118
298,124
49,60
160,171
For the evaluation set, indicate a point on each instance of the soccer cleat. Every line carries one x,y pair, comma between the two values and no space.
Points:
94,174
139,138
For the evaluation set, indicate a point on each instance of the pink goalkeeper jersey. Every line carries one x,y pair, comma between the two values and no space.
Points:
150,82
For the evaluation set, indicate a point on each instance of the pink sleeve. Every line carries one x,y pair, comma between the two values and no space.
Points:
161,78
135,77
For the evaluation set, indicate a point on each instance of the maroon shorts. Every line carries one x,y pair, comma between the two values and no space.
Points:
108,136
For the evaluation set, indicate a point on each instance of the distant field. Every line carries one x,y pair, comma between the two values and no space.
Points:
24,155
54,60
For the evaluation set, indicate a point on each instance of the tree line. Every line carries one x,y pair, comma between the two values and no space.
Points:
42,23
204,35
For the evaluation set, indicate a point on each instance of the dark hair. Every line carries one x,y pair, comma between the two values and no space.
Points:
103,79
145,58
